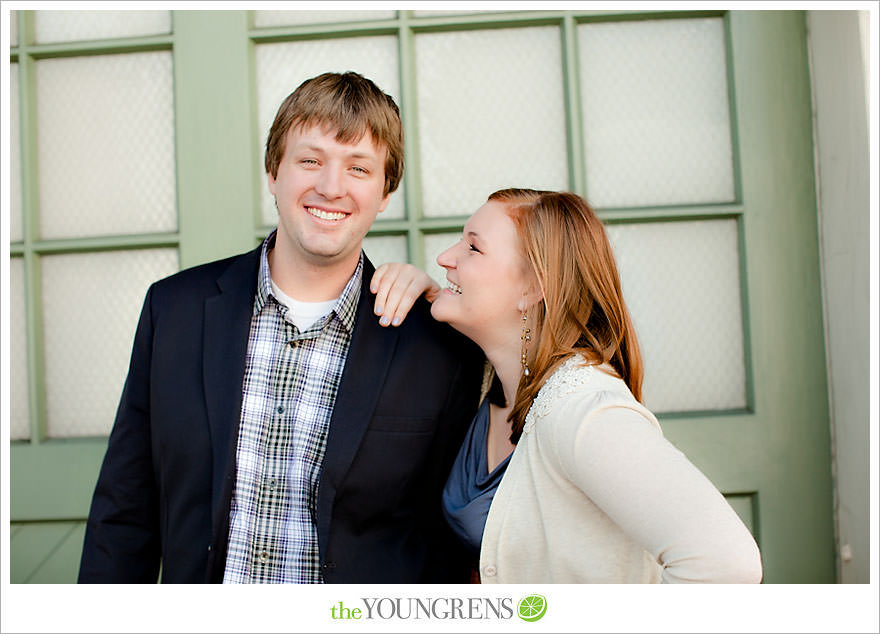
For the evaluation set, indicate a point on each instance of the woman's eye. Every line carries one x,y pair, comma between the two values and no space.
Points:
474,249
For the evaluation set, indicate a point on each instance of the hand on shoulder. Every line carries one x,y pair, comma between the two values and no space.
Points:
397,286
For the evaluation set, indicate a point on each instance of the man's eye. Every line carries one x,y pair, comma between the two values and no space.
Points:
473,248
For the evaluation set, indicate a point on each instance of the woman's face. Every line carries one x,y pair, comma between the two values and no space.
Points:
487,277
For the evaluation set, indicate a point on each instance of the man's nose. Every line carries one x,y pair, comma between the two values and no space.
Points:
330,182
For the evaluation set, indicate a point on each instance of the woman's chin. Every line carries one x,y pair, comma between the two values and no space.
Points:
437,311
440,312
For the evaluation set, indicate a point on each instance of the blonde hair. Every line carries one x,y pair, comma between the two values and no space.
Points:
349,103
582,310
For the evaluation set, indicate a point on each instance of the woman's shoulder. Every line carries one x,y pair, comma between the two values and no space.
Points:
577,386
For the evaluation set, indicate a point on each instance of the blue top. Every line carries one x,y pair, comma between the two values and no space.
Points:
470,487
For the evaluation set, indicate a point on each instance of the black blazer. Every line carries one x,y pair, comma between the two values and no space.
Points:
405,399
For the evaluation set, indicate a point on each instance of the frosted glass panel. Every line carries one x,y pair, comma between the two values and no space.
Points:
105,145
490,115
264,19
68,26
435,244
91,305
13,28
655,112
382,249
15,221
18,385
283,67
681,283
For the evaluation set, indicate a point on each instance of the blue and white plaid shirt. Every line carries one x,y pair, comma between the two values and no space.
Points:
289,389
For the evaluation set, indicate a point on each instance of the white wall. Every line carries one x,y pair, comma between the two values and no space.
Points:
838,45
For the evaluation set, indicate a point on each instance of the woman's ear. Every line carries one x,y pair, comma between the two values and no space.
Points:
532,294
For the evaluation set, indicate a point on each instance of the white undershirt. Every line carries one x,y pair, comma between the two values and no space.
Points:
302,314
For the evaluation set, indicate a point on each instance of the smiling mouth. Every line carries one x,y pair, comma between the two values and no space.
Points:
326,215
455,288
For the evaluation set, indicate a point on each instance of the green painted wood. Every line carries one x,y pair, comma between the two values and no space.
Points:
214,122
412,180
743,504
684,212
105,243
31,229
781,233
792,452
577,180
46,552
54,479
324,31
101,47
727,448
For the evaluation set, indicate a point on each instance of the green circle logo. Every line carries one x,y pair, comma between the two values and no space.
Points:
532,607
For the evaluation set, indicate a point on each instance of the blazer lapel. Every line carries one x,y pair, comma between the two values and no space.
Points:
227,325
369,355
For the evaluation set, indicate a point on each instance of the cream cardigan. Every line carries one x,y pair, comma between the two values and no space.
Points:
593,493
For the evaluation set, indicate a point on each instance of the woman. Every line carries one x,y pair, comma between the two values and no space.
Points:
565,476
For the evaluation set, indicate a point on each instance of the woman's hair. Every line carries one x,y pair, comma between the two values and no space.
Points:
349,103
582,310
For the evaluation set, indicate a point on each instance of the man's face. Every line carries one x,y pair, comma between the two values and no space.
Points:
328,195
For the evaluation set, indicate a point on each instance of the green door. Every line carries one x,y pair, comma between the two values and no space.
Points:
689,132
773,457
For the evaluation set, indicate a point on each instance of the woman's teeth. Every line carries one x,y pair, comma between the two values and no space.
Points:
455,288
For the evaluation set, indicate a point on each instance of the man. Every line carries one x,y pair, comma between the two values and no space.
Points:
270,430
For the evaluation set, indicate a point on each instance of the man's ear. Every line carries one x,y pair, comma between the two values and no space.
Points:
271,180
384,203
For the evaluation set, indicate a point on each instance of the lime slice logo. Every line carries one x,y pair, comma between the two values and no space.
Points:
532,607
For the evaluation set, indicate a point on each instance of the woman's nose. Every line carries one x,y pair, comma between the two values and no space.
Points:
447,258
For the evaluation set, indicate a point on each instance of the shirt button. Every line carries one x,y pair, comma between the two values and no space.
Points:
280,409
490,571
272,484
263,556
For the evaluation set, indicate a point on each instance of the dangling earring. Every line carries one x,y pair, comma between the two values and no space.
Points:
526,337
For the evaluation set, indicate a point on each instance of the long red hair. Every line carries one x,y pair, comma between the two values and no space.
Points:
582,310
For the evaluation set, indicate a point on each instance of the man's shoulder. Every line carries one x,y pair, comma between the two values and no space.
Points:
206,276
420,323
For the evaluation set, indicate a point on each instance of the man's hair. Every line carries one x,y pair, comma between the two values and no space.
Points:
582,310
349,103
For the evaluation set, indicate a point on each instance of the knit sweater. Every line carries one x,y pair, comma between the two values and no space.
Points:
594,493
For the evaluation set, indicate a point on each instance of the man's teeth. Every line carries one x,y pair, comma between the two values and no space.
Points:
455,288
325,215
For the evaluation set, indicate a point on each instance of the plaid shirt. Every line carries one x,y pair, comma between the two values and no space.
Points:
289,389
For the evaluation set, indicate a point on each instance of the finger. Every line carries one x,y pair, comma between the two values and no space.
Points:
378,274
386,285
403,302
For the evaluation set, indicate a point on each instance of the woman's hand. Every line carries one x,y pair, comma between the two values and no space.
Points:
397,287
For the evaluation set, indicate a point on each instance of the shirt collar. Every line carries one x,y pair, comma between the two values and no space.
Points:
345,307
